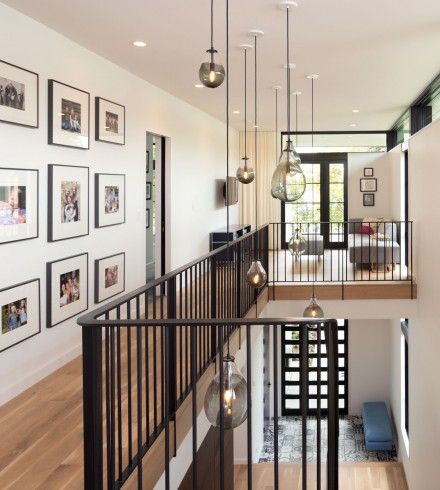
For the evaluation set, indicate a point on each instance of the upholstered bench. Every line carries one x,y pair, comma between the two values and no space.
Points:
377,427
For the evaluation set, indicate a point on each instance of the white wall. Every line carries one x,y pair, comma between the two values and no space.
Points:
369,346
197,160
356,164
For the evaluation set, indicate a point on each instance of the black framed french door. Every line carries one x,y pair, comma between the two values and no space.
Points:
324,202
291,370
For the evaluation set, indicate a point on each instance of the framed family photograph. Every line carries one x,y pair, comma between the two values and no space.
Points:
109,121
148,191
18,95
368,185
18,204
20,313
67,288
368,199
109,276
68,116
109,199
68,202
368,172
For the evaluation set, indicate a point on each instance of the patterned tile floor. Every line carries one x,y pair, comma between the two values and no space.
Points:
351,441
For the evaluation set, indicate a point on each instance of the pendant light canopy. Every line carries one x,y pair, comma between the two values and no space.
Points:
234,397
211,74
288,181
245,173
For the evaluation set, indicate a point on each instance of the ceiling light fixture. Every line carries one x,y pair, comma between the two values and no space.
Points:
355,111
235,112
211,74
245,173
353,125
256,275
288,181
139,44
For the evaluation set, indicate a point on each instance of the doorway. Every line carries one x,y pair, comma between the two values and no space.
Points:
155,206
323,206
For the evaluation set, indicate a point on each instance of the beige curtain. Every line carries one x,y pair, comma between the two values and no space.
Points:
269,209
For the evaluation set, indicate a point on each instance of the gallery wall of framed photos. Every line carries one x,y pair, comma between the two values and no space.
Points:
75,123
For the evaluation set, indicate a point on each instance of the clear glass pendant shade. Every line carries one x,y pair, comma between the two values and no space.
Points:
256,275
313,310
288,181
234,397
297,243
246,173
211,74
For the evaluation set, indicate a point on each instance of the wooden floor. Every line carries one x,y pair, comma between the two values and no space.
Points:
352,476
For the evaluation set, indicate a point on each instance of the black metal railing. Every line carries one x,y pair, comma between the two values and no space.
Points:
340,252
102,369
134,359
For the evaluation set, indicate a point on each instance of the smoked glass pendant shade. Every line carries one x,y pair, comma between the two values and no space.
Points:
245,174
211,74
234,397
288,181
313,310
256,275
297,244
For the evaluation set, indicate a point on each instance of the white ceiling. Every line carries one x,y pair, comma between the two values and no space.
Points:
371,55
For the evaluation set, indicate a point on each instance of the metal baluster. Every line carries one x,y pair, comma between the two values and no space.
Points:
139,394
249,405
275,407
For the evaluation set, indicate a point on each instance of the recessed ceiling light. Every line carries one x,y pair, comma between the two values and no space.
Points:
352,125
355,111
235,112
198,85
139,44
256,126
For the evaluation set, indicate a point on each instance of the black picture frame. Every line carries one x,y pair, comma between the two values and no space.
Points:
98,222
98,101
148,223
50,197
49,266
50,133
39,310
363,182
37,77
96,277
148,189
37,207
368,199
147,164
368,172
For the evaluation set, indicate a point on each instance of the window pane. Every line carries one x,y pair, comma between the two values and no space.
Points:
292,390
336,192
336,172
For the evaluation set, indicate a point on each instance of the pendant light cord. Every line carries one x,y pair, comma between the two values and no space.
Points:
276,123
255,155
227,156
288,75
313,110
212,28
245,108
296,119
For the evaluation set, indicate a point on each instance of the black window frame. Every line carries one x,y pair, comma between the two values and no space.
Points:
404,325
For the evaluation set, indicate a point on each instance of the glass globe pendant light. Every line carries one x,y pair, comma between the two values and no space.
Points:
256,275
288,181
234,396
245,173
211,74
297,244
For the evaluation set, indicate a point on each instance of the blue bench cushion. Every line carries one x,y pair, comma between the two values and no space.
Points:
377,427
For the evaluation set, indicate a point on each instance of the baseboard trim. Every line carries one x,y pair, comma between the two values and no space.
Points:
9,392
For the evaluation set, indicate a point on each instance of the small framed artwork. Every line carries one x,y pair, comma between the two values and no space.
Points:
148,190
109,276
368,199
368,185
20,313
18,95
147,165
68,116
368,172
109,199
68,202
18,204
148,219
67,288
109,121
